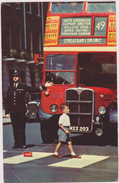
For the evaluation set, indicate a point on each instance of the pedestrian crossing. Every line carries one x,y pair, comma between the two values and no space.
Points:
85,160
21,159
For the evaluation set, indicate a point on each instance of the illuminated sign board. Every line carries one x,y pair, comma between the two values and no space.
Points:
82,27
100,26
76,26
83,41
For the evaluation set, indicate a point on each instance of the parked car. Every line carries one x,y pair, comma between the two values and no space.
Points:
32,106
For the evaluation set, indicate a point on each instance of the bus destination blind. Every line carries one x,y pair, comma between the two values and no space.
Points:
82,27
76,26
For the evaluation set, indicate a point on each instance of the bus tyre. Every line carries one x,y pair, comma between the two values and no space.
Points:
101,141
47,133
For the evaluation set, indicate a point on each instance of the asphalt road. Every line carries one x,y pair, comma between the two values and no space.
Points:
97,163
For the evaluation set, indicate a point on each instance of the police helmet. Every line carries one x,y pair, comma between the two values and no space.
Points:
16,73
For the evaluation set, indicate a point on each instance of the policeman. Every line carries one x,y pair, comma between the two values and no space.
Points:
15,106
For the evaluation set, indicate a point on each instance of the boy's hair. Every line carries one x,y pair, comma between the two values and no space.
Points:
62,106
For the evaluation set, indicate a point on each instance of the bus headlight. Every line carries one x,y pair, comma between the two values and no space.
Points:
47,93
97,118
102,110
54,108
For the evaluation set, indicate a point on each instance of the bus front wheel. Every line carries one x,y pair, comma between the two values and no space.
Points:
48,133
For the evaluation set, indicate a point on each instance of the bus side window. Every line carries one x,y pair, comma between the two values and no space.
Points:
59,8
84,75
84,66
97,68
97,74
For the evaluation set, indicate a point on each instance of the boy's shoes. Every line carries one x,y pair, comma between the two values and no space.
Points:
57,156
75,156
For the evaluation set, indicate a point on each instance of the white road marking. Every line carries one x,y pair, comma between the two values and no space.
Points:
21,159
5,150
79,163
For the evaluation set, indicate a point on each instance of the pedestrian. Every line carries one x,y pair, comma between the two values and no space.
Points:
63,132
15,107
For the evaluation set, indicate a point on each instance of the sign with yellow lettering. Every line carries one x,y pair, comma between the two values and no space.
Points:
51,31
111,38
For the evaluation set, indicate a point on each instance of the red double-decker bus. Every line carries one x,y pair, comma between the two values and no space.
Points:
80,59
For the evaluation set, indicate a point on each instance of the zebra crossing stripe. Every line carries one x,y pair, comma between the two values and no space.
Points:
79,163
21,159
5,150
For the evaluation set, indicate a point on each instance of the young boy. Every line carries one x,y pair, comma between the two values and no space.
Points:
63,132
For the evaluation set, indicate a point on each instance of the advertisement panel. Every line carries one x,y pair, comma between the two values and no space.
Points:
51,31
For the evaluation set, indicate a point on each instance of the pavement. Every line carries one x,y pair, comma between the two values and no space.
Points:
4,119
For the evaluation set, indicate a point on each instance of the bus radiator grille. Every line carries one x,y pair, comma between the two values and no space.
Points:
81,105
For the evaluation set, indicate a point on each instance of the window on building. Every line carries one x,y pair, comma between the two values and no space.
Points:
11,77
32,76
40,42
33,82
29,46
28,7
38,12
7,4
18,5
22,76
7,40
36,42
18,39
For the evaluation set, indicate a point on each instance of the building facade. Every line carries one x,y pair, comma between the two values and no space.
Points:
22,30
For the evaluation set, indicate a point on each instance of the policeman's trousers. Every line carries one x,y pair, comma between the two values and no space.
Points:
18,123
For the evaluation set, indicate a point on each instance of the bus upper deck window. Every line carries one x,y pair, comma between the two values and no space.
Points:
71,7
102,7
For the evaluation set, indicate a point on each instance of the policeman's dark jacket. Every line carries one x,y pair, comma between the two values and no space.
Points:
15,101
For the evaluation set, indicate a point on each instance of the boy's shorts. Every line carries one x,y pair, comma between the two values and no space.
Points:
62,136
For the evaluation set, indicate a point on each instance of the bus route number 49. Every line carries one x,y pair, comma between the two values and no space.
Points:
81,128
100,25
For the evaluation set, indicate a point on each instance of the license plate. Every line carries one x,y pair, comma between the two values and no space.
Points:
79,128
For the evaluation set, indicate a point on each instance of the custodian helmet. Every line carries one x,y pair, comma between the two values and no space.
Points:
16,73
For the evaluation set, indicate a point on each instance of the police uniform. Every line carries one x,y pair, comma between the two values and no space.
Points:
15,106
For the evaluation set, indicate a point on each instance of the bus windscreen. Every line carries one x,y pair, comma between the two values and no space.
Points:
71,7
102,7
60,62
60,69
